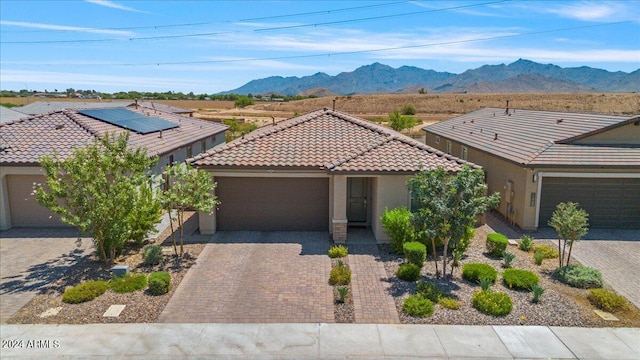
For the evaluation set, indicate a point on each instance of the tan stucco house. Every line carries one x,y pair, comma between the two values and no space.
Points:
537,159
322,171
23,142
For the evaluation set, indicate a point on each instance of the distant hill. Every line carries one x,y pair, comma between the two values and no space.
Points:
521,76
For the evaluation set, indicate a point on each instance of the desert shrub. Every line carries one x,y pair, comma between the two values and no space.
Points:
508,258
476,271
538,257
548,251
128,283
449,303
429,291
408,272
417,306
159,283
496,244
485,284
397,224
579,276
152,255
408,109
338,251
415,252
492,303
526,243
520,279
340,275
85,292
537,291
343,291
607,300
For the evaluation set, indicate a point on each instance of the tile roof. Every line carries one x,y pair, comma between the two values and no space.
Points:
164,107
25,141
7,114
327,140
42,107
539,137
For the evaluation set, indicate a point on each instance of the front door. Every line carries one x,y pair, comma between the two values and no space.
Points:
357,191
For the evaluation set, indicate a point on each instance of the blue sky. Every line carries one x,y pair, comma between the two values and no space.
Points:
213,46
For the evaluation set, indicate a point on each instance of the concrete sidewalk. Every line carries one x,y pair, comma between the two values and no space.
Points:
316,341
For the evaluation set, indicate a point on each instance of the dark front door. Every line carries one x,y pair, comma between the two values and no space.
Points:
357,193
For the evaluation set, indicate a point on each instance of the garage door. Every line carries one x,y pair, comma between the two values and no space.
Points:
610,203
25,211
265,204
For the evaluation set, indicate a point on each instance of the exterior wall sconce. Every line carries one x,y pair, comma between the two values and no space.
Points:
535,177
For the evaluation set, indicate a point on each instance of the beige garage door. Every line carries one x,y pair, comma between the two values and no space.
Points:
268,204
25,211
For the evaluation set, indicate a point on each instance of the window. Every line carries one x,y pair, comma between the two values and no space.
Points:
203,144
170,160
189,151
463,153
437,139
532,201
448,147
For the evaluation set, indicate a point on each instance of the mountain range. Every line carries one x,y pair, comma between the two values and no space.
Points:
522,76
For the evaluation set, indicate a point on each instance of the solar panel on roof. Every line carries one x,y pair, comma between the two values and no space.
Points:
130,120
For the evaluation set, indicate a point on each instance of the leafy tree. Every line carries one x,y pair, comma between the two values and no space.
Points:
408,109
188,188
399,122
102,189
237,129
448,205
243,101
571,224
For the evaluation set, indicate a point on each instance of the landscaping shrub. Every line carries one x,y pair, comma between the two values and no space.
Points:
159,283
429,291
485,284
397,224
342,292
417,306
547,251
476,271
449,303
85,292
607,300
152,255
520,279
338,251
128,283
537,291
408,109
579,276
508,258
415,252
492,303
340,275
496,244
526,243
408,272
538,257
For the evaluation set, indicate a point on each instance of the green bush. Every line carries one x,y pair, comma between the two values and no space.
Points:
417,306
415,252
538,257
159,283
492,303
152,255
496,244
547,251
579,276
520,279
338,251
397,224
526,243
429,290
408,109
607,300
343,291
485,284
408,272
128,283
340,275
449,303
476,271
85,292
508,258
537,291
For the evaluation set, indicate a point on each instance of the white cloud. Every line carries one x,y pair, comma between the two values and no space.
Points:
113,5
591,11
65,28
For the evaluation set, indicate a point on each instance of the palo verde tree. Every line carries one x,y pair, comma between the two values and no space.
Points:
188,188
102,189
448,204
399,122
571,224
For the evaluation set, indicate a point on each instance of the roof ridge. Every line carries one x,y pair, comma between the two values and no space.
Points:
360,153
539,152
361,122
71,115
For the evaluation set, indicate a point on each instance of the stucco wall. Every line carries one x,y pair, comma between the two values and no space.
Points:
628,134
389,191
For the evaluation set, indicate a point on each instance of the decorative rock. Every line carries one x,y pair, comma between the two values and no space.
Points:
114,311
605,315
513,242
51,312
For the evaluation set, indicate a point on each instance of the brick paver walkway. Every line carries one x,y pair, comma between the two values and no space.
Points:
30,259
257,277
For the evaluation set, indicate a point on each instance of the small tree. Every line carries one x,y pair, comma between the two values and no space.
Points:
188,188
449,203
399,122
571,224
104,191
243,101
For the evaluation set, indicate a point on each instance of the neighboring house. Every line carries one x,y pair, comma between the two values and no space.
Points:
7,114
537,159
166,108
25,141
41,107
322,171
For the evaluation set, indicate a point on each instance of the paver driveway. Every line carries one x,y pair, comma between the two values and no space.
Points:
257,277
32,258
